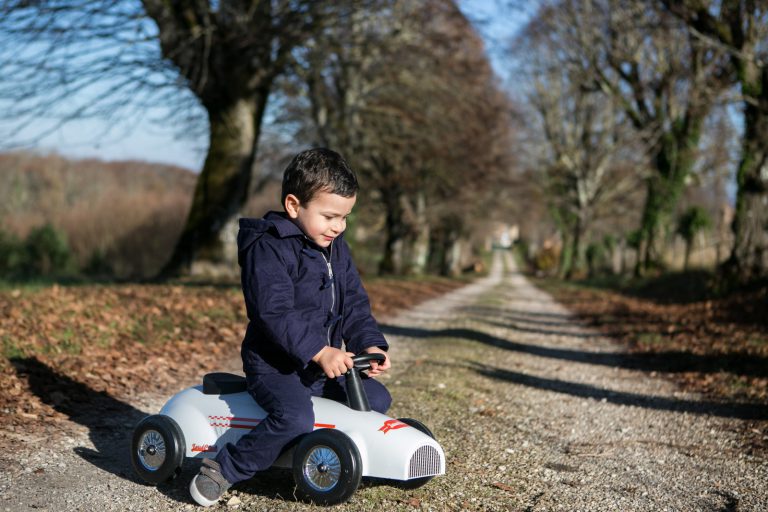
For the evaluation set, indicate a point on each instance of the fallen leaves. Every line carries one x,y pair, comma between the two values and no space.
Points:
82,342
717,347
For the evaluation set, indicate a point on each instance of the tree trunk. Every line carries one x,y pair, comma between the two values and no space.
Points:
750,249
222,187
674,160
687,255
577,250
420,243
566,256
453,265
395,230
622,259
448,251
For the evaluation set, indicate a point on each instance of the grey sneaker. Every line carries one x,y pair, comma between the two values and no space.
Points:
209,484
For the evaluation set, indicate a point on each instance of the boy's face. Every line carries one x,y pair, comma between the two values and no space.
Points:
323,218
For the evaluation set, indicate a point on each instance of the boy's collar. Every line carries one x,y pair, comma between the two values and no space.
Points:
284,226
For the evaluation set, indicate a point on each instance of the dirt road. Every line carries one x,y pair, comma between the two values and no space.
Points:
534,410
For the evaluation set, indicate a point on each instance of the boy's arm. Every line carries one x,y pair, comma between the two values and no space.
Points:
360,329
268,291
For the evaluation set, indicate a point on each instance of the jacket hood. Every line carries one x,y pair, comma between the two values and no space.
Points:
276,222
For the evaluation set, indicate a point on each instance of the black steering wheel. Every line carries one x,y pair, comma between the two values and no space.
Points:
363,361
356,397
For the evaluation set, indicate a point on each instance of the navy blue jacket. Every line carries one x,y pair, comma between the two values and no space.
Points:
299,298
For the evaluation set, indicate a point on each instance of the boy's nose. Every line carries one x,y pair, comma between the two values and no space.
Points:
337,227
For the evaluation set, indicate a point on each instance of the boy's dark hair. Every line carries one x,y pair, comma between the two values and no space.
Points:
318,169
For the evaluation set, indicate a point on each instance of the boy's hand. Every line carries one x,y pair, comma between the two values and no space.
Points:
333,361
378,368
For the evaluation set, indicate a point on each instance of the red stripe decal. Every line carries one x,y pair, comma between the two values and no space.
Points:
324,425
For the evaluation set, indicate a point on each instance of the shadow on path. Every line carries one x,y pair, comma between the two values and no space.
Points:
742,411
669,361
109,421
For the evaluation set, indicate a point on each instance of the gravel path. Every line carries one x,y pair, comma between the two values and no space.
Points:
534,410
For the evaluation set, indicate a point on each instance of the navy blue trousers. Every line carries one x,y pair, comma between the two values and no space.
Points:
288,402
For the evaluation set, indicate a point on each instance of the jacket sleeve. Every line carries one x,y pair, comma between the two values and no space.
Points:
269,296
360,329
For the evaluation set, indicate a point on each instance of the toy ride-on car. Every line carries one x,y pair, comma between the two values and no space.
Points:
349,441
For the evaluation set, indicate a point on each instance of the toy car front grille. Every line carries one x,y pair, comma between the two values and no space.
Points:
424,462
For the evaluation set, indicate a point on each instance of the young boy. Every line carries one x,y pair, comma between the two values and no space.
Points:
303,297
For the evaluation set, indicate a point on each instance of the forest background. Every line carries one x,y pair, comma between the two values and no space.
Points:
629,145
627,140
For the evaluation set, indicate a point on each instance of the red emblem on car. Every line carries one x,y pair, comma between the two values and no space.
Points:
203,448
392,425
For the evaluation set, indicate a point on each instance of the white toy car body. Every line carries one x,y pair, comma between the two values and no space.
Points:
327,464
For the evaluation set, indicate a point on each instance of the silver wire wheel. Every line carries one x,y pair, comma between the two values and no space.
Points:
322,468
151,452
157,449
326,467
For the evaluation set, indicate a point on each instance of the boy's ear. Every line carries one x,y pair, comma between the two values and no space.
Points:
291,205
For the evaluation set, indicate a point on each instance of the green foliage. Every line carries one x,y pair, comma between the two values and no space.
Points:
693,221
595,252
99,265
11,254
565,260
43,253
599,256
46,253
609,242
595,257
635,239
521,250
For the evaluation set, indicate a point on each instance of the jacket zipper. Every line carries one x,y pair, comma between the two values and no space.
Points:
333,287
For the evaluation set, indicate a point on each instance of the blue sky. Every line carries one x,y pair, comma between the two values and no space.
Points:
142,139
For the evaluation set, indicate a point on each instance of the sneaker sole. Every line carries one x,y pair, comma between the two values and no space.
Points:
199,498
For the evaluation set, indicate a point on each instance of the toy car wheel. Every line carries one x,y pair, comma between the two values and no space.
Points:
326,467
415,483
157,449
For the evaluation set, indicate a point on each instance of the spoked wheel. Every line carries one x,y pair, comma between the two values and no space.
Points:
157,449
326,467
415,483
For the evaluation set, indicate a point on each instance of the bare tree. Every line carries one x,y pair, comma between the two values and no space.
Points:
226,53
665,80
585,134
740,28
420,117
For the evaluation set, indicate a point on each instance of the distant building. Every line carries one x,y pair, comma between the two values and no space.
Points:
505,235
